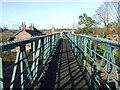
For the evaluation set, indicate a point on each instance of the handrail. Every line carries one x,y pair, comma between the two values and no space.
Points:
102,40
24,70
100,67
12,44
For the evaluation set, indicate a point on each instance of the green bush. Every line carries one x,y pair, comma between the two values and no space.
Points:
117,56
9,56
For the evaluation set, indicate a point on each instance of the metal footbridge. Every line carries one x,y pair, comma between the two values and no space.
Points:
73,61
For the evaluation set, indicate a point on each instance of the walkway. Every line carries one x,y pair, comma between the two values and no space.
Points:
63,70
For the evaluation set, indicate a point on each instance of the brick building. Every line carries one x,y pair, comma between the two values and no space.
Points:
114,34
26,33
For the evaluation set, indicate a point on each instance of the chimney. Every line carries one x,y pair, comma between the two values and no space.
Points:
32,26
23,26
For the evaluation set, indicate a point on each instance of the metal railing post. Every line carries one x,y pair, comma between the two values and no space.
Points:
75,41
115,71
21,70
54,40
22,49
85,53
15,67
28,68
42,49
1,72
51,44
34,57
94,64
37,56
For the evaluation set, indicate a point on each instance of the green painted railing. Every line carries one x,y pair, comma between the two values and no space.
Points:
25,72
100,67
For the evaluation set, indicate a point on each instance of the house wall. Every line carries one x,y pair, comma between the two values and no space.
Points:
46,32
61,31
114,37
23,35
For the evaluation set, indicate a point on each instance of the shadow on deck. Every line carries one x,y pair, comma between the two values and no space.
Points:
63,70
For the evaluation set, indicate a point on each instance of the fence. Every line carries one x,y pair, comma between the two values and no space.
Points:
23,73
100,67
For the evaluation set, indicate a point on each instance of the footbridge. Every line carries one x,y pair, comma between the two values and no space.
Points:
70,61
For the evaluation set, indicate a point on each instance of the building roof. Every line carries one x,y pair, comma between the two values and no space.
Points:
18,32
34,32
113,31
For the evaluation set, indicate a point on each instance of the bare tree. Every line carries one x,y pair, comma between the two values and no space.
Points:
74,25
5,28
102,15
114,8
107,13
113,11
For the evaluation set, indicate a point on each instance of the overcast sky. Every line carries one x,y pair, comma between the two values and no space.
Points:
45,15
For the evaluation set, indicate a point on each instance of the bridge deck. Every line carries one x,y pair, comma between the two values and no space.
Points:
63,70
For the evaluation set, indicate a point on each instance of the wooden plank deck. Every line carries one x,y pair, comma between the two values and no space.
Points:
63,70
